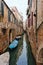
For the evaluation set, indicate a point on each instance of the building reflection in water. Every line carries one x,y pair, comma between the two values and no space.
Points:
30,57
23,57
14,54
22,54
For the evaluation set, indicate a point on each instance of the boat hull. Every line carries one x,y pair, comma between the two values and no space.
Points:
13,44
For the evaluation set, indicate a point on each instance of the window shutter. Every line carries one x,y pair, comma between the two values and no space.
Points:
9,16
2,8
28,22
32,18
14,19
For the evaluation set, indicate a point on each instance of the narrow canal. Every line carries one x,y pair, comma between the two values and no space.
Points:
22,54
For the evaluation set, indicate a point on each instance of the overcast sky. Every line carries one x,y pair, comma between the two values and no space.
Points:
20,4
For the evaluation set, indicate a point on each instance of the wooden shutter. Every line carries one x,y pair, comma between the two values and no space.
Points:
32,18
9,18
29,22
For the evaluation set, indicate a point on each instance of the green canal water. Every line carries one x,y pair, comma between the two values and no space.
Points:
22,54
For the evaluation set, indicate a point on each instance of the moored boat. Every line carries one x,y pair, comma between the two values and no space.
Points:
13,44
18,37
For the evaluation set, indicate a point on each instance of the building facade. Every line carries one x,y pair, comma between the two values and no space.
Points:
8,26
35,28
19,18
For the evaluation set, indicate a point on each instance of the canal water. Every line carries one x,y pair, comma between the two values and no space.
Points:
22,54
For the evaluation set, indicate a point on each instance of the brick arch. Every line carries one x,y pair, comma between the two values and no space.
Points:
40,54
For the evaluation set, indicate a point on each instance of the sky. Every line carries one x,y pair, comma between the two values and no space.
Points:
20,4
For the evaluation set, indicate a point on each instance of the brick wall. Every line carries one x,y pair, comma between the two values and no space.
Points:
40,34
39,12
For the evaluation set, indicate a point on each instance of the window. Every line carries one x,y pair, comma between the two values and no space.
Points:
14,20
30,3
35,13
4,31
9,16
2,8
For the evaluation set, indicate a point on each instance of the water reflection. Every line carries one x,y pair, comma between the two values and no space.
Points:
30,57
14,54
22,54
23,58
